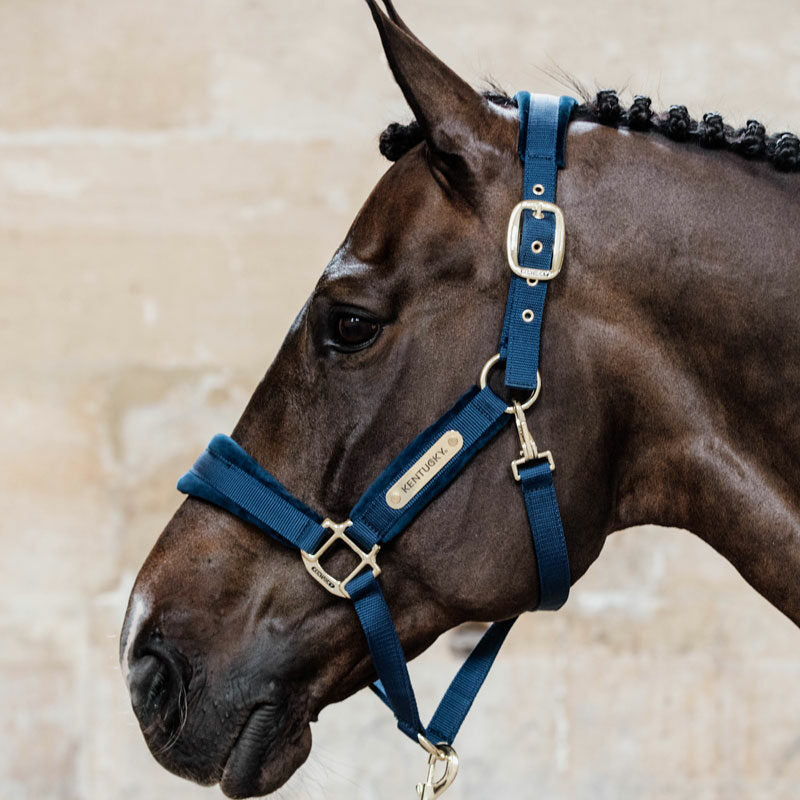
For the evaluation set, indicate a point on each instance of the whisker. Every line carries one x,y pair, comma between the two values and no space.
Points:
183,716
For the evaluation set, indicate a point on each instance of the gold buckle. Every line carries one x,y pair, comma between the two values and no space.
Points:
437,753
539,208
322,576
528,451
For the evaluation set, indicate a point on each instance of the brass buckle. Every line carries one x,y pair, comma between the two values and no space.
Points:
528,451
321,576
539,208
433,787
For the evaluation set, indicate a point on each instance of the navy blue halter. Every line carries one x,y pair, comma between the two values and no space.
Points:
228,477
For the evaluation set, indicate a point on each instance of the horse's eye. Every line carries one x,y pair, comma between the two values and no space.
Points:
351,331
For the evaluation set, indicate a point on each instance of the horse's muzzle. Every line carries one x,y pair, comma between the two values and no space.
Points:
254,744
246,733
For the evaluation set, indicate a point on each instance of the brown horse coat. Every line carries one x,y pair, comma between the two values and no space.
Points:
671,383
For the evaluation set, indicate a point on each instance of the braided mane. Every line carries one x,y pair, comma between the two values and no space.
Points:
782,150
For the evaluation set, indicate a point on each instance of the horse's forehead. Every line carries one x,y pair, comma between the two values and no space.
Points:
345,264
406,206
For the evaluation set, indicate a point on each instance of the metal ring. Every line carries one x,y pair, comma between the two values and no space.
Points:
538,189
527,315
536,247
487,368
531,281
430,748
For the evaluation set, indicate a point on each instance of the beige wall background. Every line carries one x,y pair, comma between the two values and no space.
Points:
160,167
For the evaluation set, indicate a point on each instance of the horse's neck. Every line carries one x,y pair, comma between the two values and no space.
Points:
694,262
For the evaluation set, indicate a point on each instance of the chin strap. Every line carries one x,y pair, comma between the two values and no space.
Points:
229,477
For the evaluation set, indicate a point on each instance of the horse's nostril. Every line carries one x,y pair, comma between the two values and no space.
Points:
147,683
156,681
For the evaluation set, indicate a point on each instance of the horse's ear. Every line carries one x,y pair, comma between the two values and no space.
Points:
454,118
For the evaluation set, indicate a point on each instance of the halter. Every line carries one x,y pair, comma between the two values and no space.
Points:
230,478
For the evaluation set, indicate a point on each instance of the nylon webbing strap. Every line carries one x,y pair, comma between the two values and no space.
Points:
552,560
228,477
463,689
461,693
477,416
543,124
386,651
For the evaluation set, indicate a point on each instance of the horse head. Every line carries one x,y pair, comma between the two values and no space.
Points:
229,648
227,641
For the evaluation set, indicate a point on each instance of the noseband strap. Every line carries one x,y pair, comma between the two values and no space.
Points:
226,475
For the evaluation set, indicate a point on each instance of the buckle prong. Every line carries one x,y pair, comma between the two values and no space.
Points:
322,576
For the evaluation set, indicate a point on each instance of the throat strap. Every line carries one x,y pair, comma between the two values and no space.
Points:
549,543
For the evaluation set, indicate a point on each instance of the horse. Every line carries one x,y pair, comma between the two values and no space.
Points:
671,398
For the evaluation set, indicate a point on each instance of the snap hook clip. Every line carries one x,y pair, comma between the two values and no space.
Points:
528,450
441,753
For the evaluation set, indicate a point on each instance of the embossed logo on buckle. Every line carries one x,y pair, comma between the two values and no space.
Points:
322,576
539,208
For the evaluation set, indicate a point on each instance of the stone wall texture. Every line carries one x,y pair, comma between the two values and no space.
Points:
159,165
